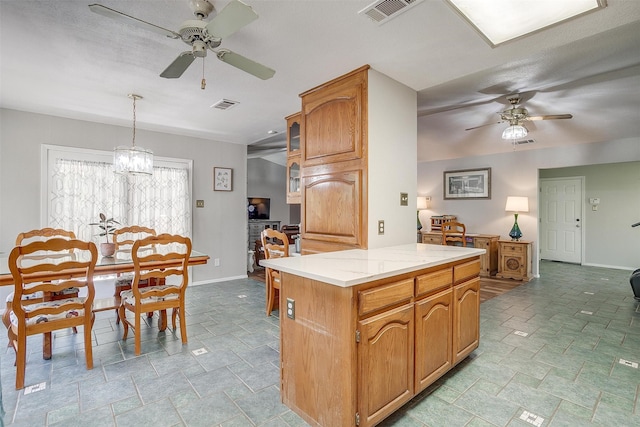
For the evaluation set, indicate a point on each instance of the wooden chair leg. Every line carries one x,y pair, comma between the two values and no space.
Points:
269,294
46,346
174,313
183,323
21,360
88,348
122,316
137,333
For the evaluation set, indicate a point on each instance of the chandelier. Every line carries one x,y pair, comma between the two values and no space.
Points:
133,160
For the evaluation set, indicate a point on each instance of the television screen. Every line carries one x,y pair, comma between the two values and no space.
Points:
258,207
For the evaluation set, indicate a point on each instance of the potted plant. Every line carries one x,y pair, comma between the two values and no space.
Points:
107,248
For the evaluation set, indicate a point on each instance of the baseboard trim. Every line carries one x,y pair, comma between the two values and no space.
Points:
222,279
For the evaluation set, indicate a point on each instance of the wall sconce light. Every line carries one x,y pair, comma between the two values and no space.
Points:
516,204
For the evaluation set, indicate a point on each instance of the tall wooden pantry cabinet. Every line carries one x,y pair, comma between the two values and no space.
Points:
358,136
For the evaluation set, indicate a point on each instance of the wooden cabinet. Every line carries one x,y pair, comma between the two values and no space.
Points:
488,261
489,242
385,364
514,259
354,355
293,158
466,312
434,323
334,165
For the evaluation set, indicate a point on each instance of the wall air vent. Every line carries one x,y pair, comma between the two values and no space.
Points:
382,11
224,104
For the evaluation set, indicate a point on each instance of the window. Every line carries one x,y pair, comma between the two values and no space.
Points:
80,184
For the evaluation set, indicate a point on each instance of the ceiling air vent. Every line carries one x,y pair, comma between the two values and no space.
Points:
224,104
383,10
525,141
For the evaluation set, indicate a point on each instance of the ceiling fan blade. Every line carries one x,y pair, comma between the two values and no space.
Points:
123,17
178,66
245,64
486,124
234,16
550,117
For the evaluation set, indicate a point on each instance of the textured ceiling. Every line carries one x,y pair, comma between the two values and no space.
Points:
59,58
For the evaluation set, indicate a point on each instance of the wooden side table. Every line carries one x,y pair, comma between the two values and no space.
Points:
514,259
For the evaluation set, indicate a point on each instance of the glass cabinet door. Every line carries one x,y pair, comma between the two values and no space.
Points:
293,180
293,134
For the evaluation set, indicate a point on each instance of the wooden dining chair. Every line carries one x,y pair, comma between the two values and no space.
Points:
124,238
30,273
454,232
275,245
37,235
157,258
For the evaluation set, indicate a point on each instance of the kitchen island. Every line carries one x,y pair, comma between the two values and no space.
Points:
364,331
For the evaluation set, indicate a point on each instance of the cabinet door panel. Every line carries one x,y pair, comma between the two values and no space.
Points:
333,207
385,363
334,122
466,333
434,316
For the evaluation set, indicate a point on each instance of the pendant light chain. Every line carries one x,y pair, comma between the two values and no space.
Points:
134,120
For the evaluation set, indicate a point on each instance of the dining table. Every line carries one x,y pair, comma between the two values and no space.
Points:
121,262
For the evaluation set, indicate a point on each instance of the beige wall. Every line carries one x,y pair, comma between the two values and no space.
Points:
516,174
219,229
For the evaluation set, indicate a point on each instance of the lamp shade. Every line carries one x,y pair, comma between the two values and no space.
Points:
514,132
517,204
422,203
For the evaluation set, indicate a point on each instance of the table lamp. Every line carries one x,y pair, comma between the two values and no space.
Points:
516,204
422,205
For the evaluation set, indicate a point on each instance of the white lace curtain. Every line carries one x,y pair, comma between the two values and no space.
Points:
81,190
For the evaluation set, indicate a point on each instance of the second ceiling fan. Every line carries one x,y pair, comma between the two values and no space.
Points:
201,35
516,116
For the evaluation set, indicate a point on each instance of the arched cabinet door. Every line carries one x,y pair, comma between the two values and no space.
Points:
385,364
333,208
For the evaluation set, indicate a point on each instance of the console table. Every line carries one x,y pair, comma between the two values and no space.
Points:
488,261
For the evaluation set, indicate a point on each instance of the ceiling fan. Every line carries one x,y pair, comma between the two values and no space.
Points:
517,115
201,35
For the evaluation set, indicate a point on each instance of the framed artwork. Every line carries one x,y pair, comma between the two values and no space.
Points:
222,179
467,184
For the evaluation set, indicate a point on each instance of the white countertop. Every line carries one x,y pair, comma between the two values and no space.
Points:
356,266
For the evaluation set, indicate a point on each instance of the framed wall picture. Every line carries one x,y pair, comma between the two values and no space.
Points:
467,184
222,179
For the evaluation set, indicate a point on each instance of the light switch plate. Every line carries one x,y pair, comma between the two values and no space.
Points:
199,203
404,199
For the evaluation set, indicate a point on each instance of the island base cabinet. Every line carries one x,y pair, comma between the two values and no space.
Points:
385,363
351,356
434,320
466,321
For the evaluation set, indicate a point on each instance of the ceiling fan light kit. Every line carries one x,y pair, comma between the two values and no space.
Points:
201,35
516,116
514,132
131,159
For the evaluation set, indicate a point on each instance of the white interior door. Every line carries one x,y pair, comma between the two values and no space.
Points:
561,219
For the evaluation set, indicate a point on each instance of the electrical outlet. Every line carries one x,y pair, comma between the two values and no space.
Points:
381,226
216,262
199,203
291,308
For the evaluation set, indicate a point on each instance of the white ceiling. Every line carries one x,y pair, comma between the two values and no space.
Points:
59,58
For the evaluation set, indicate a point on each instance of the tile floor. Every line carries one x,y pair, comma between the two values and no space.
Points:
549,356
